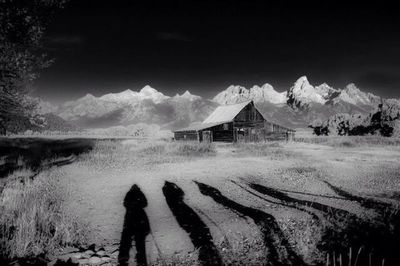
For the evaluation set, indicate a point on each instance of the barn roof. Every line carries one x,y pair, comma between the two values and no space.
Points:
199,126
226,113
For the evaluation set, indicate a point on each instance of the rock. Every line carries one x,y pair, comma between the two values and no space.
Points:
89,252
105,259
68,250
100,253
85,256
83,261
95,260
115,254
76,255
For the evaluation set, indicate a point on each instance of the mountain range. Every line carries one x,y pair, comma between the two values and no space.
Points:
297,107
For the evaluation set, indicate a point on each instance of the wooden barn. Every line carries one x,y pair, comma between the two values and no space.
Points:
236,122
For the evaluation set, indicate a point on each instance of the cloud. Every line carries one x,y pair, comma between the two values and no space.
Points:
172,36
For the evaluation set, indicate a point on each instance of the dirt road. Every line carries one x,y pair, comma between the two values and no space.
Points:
216,204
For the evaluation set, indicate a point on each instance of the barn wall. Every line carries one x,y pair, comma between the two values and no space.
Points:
223,132
186,135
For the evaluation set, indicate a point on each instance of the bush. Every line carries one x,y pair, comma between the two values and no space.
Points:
33,220
351,141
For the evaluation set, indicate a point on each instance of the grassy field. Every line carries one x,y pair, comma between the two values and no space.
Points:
314,201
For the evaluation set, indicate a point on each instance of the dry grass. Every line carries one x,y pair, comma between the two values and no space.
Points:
116,154
351,141
272,150
33,220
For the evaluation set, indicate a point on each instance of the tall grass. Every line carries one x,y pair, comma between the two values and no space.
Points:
33,220
351,141
117,154
273,150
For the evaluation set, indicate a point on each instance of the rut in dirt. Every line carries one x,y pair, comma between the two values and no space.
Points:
188,219
383,235
136,227
365,202
279,250
282,196
313,215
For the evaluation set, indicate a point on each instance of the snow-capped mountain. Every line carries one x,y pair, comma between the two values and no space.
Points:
296,107
128,107
235,94
187,95
354,95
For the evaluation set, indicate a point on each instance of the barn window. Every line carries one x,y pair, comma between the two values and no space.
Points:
226,126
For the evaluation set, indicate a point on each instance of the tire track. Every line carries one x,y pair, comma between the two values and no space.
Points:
198,231
313,215
365,202
282,196
279,250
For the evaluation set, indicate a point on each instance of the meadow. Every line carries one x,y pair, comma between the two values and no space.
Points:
316,201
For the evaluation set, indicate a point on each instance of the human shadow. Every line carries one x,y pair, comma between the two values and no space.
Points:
188,219
136,227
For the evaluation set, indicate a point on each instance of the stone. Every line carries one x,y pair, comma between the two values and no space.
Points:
95,260
69,250
86,256
83,261
115,254
100,253
89,252
101,249
105,259
76,255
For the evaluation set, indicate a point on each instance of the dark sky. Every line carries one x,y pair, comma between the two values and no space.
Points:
204,46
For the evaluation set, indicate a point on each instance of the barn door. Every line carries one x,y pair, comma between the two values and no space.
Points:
207,137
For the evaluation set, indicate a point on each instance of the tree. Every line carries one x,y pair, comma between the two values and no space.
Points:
22,25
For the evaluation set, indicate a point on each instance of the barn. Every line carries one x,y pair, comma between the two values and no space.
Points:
240,122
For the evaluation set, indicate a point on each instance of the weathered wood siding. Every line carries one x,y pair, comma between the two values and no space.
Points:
223,132
186,135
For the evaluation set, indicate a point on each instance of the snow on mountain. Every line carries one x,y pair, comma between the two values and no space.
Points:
297,107
267,93
146,93
302,93
150,93
354,95
187,95
147,105
236,94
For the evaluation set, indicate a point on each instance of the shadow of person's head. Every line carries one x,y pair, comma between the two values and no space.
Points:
135,198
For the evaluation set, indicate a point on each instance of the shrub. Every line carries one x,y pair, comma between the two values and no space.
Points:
33,220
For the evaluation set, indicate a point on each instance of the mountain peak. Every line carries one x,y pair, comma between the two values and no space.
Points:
302,94
187,95
302,80
235,94
148,90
